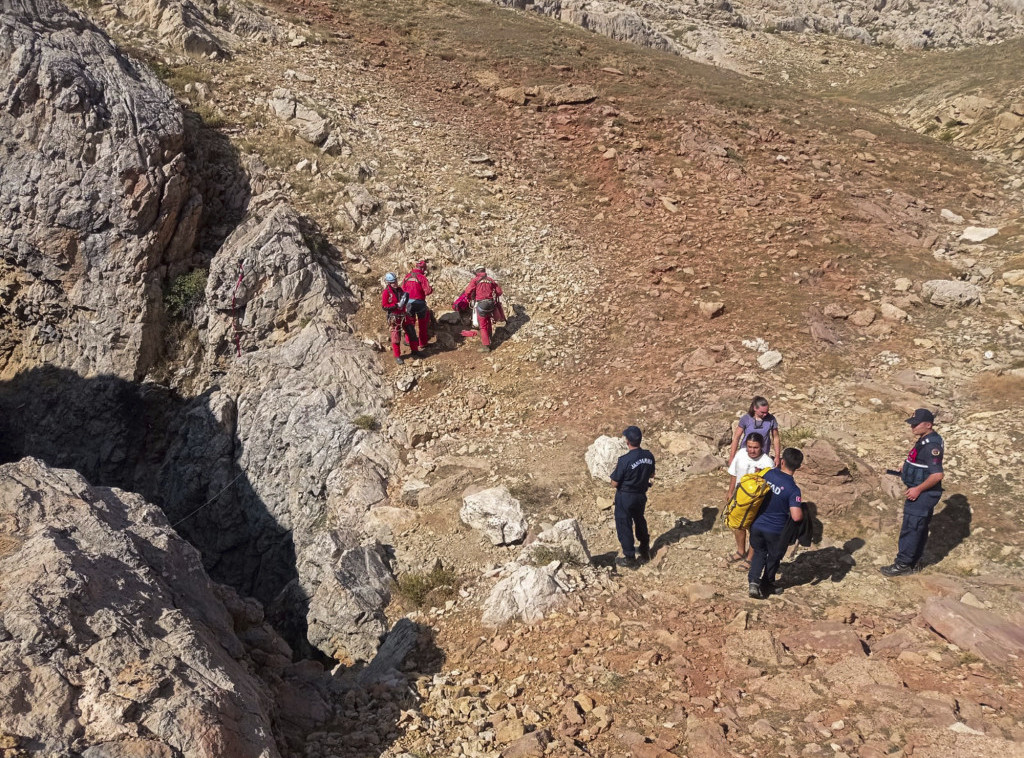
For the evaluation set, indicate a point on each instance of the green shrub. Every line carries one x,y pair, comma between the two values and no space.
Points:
415,587
796,437
367,422
185,294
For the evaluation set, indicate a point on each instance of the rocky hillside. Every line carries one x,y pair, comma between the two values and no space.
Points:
673,238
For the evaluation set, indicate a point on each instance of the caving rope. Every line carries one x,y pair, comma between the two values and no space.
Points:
234,315
222,491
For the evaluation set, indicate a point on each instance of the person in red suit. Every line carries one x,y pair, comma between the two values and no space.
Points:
393,300
417,287
485,293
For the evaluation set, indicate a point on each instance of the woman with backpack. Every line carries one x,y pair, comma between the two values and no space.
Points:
750,460
758,419
485,294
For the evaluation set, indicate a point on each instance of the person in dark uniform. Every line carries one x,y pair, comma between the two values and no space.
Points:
922,473
631,479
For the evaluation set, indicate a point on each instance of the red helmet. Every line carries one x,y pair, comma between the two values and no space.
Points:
420,266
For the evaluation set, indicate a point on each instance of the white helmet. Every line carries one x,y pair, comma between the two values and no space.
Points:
390,278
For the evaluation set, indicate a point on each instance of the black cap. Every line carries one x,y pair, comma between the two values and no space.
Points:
633,435
920,416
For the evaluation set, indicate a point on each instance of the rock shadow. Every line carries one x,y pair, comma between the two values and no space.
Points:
145,438
816,566
217,173
384,687
684,527
949,527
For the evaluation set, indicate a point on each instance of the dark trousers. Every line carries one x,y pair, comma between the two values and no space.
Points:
629,513
768,555
917,515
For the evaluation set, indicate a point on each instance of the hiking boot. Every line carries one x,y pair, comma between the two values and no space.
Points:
898,569
627,561
644,555
400,361
485,348
754,590
767,589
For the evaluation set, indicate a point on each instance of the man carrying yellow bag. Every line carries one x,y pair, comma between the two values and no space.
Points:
747,489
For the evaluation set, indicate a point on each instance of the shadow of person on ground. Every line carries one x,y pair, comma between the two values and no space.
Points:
515,321
949,527
605,559
684,527
816,566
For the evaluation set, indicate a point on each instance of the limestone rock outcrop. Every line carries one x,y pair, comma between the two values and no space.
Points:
527,593
273,275
603,454
113,639
495,513
610,19
564,541
95,197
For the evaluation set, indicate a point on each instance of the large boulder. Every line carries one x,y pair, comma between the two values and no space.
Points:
348,587
951,293
495,513
527,593
270,278
113,639
825,479
96,203
603,454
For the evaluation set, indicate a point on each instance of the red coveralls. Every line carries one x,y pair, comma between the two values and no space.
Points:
482,287
417,287
397,320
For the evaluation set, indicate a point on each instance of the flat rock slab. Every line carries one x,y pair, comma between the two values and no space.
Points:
826,636
975,629
978,233
566,94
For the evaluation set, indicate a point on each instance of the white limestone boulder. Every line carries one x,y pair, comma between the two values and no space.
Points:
495,513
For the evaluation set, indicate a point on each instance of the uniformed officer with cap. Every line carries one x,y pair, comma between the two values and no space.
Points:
922,473
631,479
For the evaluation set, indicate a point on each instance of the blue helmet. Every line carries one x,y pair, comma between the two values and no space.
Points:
390,278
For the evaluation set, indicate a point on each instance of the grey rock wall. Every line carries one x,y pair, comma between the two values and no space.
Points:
95,196
112,637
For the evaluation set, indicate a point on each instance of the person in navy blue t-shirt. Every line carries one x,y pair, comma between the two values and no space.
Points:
781,504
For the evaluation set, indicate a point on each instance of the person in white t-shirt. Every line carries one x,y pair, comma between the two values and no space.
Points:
748,459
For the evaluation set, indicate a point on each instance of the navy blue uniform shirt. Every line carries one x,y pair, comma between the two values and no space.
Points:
924,460
782,495
634,470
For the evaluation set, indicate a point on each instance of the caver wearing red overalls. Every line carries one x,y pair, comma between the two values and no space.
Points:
484,292
398,321
417,287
